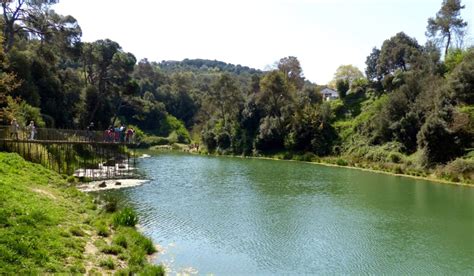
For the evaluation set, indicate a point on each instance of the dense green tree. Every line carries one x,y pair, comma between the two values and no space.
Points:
276,95
347,73
108,69
462,79
447,24
371,70
291,67
226,97
342,87
399,52
20,16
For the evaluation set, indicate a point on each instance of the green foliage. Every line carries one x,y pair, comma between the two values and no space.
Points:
462,79
125,217
150,270
459,169
121,240
149,141
112,249
437,141
223,140
23,112
448,23
453,58
102,229
110,205
44,226
107,263
172,125
347,74
342,87
398,52
209,140
76,231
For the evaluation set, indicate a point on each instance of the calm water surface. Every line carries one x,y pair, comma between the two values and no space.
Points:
244,216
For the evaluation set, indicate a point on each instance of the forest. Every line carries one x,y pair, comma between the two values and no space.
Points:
410,112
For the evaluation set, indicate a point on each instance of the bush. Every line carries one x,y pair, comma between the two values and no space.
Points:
395,157
223,140
112,249
103,230
459,168
341,162
153,270
107,263
209,140
121,241
111,205
147,245
76,231
125,217
172,125
149,141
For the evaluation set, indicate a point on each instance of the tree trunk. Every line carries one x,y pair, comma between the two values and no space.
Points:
447,45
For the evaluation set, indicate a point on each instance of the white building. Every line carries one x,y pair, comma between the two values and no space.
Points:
329,94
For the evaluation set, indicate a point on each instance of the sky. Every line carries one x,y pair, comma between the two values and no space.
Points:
322,34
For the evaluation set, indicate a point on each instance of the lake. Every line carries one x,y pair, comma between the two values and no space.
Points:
224,215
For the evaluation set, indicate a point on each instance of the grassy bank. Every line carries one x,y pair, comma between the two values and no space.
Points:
47,226
459,171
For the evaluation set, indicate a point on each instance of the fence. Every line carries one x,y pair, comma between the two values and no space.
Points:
85,154
66,135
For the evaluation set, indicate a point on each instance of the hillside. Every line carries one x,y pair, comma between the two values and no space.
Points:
48,226
205,65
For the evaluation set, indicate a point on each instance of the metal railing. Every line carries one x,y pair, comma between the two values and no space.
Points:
66,135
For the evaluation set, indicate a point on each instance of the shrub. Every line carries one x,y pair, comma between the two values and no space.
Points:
172,125
121,241
341,162
459,168
209,139
125,217
149,141
107,263
112,249
223,140
147,245
395,157
111,205
153,270
76,231
102,229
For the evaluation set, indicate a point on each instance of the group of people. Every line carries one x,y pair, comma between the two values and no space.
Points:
113,135
15,129
119,134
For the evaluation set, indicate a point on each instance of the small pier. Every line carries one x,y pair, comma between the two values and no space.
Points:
86,154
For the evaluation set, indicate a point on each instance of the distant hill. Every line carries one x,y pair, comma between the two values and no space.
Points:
205,65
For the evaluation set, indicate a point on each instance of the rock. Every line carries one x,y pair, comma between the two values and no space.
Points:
102,185
118,183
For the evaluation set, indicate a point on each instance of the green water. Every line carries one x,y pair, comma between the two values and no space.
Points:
246,216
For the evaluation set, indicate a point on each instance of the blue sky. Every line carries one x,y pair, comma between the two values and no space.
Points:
322,34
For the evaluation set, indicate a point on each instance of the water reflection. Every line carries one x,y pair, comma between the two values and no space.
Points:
231,215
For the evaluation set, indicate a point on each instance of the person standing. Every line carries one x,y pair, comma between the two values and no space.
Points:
32,129
89,132
129,135
14,129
